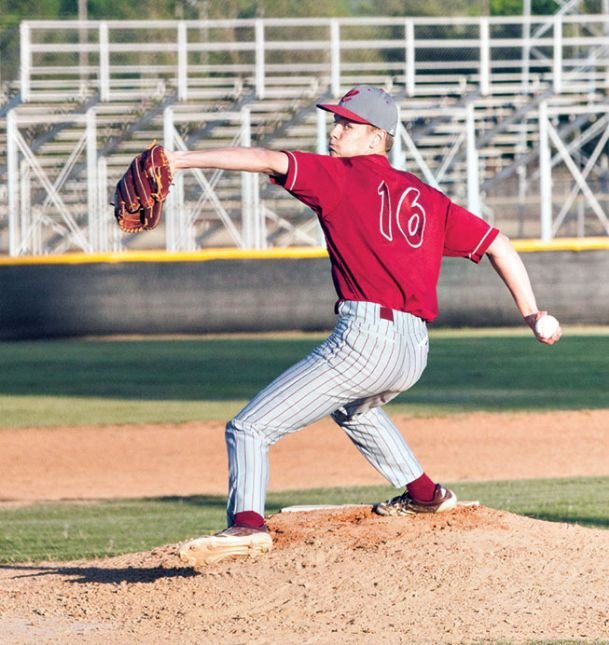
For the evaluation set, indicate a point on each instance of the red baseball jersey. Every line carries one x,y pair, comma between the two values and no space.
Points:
386,231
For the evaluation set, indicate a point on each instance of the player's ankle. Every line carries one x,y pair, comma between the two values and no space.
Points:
422,489
249,519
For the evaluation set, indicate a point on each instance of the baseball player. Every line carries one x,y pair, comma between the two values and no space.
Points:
386,234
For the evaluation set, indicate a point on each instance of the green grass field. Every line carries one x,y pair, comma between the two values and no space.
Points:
169,381
74,382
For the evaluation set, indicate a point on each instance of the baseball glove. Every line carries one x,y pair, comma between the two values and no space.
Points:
142,190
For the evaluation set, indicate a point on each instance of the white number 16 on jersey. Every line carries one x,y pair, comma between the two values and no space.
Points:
409,216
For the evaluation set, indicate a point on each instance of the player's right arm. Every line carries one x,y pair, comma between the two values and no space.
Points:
508,264
263,160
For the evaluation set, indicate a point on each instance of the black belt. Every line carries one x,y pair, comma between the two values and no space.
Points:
385,313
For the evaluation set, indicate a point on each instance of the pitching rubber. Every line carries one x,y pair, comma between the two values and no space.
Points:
304,508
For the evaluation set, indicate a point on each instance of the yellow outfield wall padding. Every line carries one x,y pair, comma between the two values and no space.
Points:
204,255
288,253
563,244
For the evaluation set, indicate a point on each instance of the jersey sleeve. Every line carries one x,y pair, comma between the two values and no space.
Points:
315,180
467,235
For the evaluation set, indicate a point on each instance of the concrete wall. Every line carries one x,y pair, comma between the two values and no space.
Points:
573,285
153,297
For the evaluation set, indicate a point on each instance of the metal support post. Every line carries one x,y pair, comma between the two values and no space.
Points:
83,41
557,61
182,71
104,62
173,203
545,174
322,135
473,180
248,223
397,154
28,238
335,57
102,206
261,242
485,57
322,149
260,63
252,215
26,60
13,182
410,72
93,214
526,46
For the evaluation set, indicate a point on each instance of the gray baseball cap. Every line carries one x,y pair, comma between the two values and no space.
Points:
367,104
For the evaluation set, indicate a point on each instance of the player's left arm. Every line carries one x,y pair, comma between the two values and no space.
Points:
262,160
509,265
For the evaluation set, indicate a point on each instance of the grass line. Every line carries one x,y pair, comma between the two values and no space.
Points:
70,530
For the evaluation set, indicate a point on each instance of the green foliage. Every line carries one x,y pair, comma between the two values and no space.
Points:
299,9
438,8
118,10
67,531
539,7
12,12
515,7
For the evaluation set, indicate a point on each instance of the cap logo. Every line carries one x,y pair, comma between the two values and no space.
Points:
349,95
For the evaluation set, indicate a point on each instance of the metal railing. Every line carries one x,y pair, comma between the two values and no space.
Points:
54,209
420,56
509,116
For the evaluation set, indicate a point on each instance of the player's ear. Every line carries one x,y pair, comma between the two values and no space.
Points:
377,138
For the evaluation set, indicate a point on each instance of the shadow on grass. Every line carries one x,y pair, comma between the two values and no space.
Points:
88,574
206,501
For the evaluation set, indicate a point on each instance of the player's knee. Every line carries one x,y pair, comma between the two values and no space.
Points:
237,428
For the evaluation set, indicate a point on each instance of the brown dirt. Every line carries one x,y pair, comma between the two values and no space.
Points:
347,576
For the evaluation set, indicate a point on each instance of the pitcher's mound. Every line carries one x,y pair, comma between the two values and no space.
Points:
334,576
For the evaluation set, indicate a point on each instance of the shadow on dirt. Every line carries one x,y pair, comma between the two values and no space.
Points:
100,575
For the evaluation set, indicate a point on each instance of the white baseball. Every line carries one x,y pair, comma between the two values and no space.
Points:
546,326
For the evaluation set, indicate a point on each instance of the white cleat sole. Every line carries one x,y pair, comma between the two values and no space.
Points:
213,548
450,504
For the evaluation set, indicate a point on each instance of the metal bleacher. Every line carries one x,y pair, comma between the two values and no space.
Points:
497,112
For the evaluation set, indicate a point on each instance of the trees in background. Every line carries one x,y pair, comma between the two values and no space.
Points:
12,12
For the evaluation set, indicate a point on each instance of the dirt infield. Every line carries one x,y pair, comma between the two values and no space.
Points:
473,576
136,461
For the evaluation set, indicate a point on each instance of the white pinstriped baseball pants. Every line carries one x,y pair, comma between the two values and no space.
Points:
364,363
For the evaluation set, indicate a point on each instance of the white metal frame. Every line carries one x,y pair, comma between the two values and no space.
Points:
27,220
89,226
180,220
548,138
251,230
538,33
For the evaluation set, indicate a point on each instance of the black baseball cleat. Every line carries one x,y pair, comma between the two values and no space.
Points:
443,500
